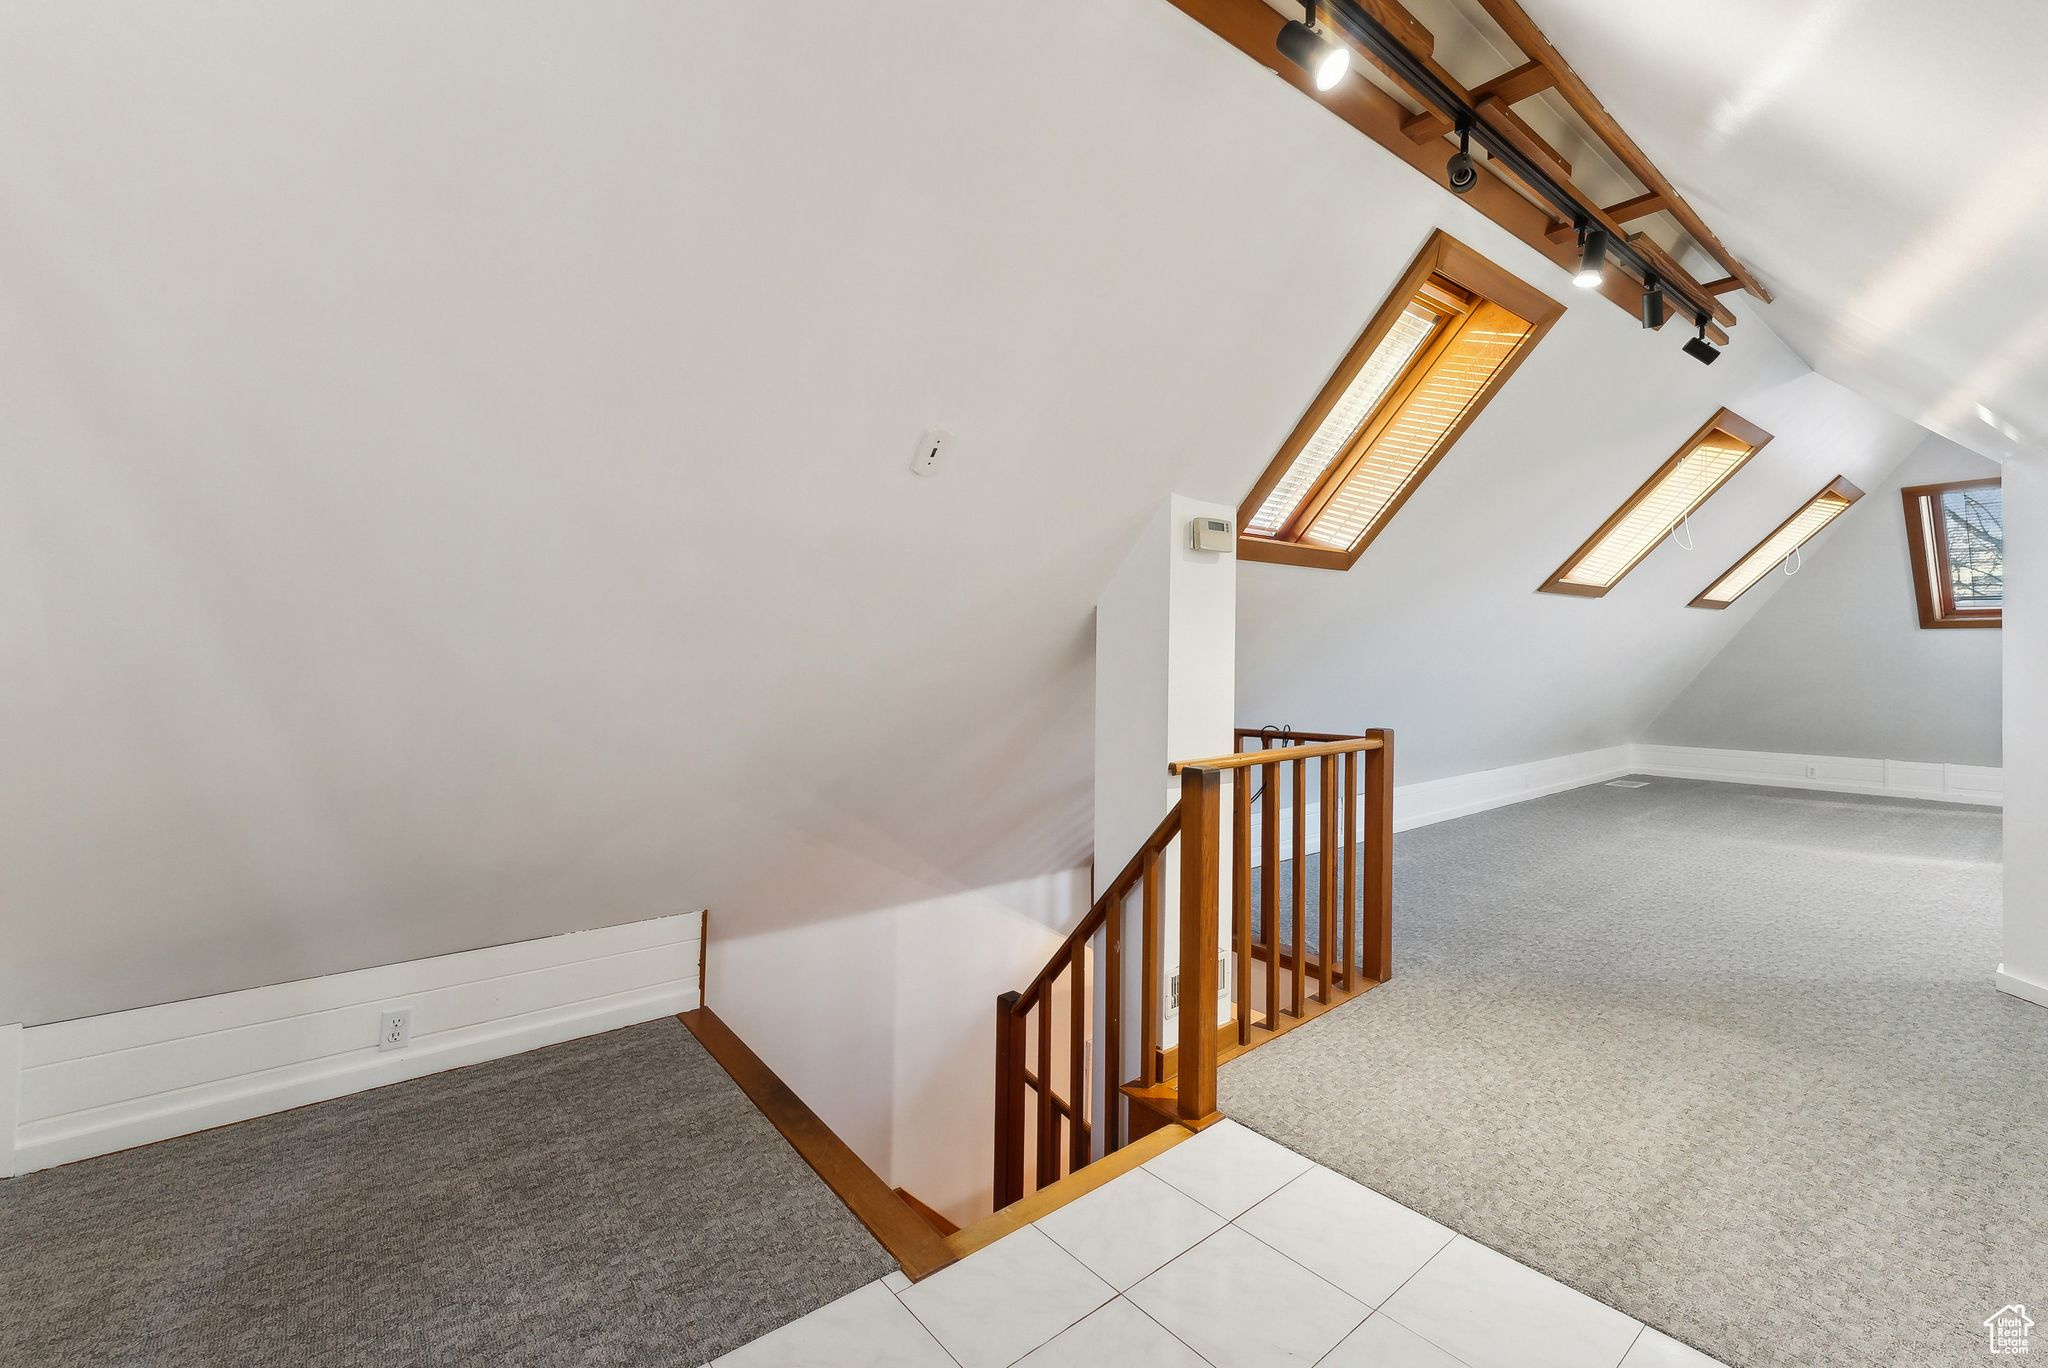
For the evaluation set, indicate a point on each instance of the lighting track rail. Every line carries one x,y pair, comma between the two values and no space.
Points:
1572,207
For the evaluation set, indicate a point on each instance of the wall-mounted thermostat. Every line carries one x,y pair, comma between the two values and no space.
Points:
1209,534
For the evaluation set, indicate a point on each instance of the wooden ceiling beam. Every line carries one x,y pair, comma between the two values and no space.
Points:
1669,271
1530,78
1520,28
1252,26
1494,111
1722,286
1642,206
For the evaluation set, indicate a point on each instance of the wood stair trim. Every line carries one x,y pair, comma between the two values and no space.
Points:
896,1226
1023,1212
933,1217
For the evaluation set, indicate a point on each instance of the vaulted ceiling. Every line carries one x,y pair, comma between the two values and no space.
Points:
1883,164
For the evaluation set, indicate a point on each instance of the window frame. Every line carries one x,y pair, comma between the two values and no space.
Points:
1724,421
1840,486
1442,255
1927,546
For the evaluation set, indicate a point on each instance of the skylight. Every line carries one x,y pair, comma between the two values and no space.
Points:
1792,534
1956,535
1439,348
1708,460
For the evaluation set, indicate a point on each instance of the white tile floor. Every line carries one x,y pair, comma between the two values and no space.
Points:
1226,1250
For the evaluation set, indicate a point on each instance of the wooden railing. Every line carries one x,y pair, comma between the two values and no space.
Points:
1069,1089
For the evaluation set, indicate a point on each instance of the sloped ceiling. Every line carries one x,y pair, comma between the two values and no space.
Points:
456,484
1882,163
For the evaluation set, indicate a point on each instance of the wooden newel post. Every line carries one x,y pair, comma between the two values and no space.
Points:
1379,857
1201,798
1009,1176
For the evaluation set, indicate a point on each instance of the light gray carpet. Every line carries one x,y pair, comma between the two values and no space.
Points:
613,1200
1726,1058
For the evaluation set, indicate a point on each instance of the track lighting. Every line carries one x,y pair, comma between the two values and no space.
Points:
1653,304
1324,61
1592,258
1699,349
1461,173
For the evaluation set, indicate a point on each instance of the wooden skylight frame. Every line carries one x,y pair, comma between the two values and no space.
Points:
1447,276
1733,431
1927,544
1835,498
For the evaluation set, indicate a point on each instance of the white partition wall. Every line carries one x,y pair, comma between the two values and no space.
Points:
2025,970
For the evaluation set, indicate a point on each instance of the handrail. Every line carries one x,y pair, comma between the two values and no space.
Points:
1091,922
1250,759
1267,733
1065,1094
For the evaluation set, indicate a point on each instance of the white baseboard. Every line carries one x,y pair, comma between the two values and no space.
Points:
1981,784
1440,800
10,1095
2024,989
106,1083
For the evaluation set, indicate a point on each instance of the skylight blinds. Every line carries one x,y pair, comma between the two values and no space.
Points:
1446,337
1709,459
1773,550
1408,336
1418,428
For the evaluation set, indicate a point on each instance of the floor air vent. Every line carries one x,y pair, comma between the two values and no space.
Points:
1628,783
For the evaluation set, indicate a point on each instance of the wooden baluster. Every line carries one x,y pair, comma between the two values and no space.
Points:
1351,932
1326,880
1241,897
1269,888
1148,974
1300,885
1048,1119
1200,799
1378,931
1077,1065
1113,1028
1009,1185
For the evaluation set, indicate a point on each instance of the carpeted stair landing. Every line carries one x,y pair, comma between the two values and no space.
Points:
615,1200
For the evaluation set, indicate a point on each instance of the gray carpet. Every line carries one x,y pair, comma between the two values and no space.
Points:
1726,1058
613,1200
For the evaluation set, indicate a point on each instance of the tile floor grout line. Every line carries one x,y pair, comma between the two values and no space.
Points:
1164,1326
1640,1327
1320,1278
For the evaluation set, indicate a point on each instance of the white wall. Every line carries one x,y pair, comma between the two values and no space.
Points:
456,489
885,1022
1438,631
1837,662
73,1089
2025,967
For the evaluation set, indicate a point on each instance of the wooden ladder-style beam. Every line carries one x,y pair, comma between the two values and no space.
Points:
1253,27
1516,23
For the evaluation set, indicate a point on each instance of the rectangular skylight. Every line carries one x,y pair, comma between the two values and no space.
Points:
1708,460
1440,346
1792,534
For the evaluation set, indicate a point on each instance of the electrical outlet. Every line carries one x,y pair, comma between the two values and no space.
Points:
1813,771
929,450
394,1029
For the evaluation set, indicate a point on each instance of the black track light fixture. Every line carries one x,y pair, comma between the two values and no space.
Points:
1461,173
1653,304
1324,61
1592,258
1699,349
